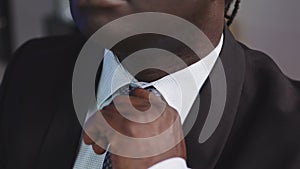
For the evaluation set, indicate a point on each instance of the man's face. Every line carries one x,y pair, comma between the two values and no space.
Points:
90,15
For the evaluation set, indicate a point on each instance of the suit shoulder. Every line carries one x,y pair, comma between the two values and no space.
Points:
53,46
261,63
44,59
259,59
264,79
55,41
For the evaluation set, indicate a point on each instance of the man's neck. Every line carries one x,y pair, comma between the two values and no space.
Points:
136,43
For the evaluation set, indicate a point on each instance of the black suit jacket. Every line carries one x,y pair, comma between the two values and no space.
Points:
260,127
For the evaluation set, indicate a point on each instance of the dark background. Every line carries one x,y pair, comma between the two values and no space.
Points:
5,33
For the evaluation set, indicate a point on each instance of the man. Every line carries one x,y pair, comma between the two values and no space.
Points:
39,128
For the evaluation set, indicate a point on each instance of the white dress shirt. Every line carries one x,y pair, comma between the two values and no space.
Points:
187,82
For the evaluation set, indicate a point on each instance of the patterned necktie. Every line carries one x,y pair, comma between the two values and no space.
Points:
107,164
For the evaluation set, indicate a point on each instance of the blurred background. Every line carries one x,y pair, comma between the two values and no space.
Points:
269,25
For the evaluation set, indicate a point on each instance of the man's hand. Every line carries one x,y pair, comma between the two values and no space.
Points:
141,129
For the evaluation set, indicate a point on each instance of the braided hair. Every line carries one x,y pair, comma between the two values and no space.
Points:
230,17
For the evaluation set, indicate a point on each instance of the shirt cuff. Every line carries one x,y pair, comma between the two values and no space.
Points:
174,163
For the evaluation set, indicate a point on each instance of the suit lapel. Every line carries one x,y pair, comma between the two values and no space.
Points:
60,144
205,155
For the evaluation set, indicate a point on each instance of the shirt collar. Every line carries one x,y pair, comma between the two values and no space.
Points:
187,81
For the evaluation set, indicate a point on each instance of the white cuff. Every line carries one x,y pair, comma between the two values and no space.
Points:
174,163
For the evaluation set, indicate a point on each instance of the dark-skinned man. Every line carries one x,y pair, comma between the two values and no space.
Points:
39,127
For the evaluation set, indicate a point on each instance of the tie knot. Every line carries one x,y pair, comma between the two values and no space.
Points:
153,90
126,89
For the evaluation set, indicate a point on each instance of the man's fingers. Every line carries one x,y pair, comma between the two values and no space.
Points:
98,145
124,101
91,132
87,140
98,149
139,92
92,136
147,95
95,132
127,103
